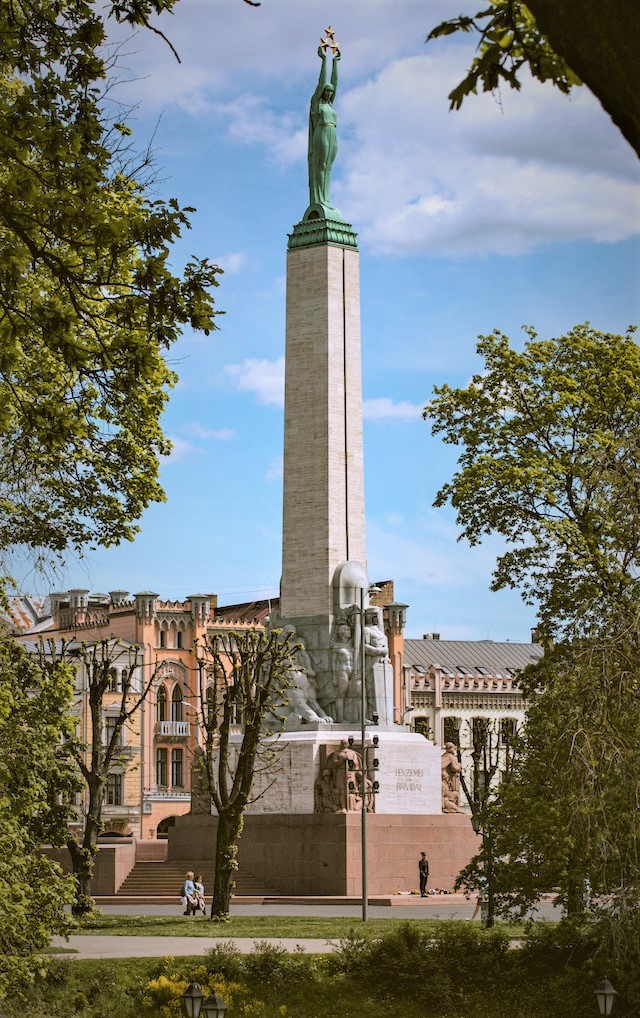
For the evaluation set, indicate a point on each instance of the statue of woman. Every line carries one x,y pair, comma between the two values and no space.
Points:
323,141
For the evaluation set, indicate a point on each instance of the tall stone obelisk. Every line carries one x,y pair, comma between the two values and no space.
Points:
324,577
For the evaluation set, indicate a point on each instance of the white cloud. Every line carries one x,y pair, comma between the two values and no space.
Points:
537,167
208,434
383,408
276,470
502,175
181,450
232,262
263,378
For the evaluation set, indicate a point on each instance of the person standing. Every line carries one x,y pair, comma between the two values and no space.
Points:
423,870
189,894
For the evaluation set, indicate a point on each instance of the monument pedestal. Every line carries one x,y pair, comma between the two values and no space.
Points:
293,846
320,854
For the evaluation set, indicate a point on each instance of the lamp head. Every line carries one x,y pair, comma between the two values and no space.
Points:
192,1001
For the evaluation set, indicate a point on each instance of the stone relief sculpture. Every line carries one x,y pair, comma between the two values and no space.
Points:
451,768
338,789
302,697
323,141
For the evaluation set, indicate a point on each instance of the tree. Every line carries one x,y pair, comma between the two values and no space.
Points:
550,461
243,679
564,41
88,303
494,747
94,665
37,779
568,817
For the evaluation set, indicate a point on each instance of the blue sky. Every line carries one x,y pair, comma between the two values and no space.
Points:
523,208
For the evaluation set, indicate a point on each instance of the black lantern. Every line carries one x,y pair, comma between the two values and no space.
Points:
214,1007
605,995
192,1001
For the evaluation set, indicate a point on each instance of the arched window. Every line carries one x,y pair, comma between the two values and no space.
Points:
176,704
162,635
161,704
173,640
180,637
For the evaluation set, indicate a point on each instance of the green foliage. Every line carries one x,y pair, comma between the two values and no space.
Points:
88,302
35,776
550,460
509,40
553,974
569,813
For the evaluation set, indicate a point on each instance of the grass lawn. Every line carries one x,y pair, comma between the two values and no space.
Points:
262,926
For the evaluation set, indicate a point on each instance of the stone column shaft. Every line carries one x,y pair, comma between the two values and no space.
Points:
323,513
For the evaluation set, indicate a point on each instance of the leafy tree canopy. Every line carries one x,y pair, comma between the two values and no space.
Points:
36,778
89,304
550,460
563,41
567,818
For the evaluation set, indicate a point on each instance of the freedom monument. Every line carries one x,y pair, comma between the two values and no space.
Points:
303,834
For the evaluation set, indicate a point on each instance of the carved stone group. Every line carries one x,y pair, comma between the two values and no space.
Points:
338,788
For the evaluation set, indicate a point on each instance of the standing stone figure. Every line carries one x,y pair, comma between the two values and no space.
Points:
376,650
342,652
323,141
451,768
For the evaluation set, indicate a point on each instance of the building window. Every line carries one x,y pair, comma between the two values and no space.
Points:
161,767
163,636
451,731
422,727
508,731
176,704
113,795
180,639
110,730
177,779
161,704
114,685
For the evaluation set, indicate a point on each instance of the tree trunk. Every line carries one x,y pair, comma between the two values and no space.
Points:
600,41
82,860
83,856
230,823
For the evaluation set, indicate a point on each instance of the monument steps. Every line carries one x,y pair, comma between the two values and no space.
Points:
160,879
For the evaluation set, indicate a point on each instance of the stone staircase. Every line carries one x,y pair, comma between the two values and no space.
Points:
158,879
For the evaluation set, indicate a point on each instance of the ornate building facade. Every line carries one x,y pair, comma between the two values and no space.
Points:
149,783
468,693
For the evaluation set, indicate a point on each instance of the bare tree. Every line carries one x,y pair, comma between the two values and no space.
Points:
107,669
243,679
495,747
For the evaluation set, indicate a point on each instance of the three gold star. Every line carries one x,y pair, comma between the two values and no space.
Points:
329,41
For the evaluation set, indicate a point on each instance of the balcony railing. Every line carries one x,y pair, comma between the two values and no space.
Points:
173,727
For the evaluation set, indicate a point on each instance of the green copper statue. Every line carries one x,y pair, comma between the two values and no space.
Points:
323,141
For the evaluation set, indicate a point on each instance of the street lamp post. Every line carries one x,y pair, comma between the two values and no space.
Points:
605,995
363,777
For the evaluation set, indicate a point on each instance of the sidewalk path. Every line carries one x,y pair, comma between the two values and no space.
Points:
173,947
